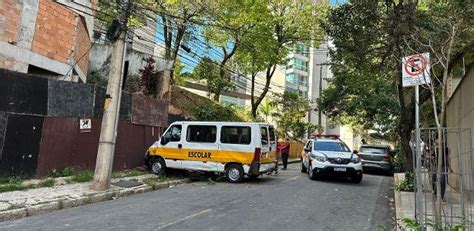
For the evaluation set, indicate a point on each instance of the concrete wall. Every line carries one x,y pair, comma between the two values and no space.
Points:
101,53
460,120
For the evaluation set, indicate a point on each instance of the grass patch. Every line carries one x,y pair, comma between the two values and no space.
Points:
11,180
80,177
66,171
128,173
12,187
407,184
46,183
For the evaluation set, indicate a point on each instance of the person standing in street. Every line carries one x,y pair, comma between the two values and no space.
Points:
285,152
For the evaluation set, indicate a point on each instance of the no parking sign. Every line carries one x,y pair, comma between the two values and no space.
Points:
416,70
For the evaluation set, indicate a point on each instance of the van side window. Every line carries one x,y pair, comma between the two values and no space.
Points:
235,135
201,134
172,135
272,133
309,145
264,134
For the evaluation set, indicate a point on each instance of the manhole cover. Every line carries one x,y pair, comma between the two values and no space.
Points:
127,183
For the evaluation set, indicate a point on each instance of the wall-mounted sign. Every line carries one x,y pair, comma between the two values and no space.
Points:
85,125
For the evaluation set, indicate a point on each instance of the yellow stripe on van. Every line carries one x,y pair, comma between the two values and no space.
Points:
222,156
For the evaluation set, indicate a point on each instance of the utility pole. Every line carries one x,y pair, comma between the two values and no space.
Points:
108,132
319,93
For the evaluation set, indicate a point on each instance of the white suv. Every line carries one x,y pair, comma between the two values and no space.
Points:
328,155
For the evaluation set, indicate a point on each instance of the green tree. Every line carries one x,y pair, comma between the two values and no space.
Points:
371,38
282,24
267,109
233,23
291,116
445,30
208,69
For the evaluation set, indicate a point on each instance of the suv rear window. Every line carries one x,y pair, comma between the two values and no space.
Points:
373,150
330,146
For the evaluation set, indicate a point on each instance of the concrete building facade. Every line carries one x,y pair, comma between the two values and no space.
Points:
46,37
460,122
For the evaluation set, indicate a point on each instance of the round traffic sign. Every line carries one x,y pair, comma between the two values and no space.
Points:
412,66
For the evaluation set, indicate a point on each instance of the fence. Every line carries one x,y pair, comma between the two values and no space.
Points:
39,125
456,179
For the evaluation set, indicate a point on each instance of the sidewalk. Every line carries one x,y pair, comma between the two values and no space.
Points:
18,204
451,208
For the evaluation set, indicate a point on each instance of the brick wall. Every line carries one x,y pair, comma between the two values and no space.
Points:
9,19
82,46
55,29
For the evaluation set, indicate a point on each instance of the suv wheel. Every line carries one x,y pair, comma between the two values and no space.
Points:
311,173
234,173
356,178
303,168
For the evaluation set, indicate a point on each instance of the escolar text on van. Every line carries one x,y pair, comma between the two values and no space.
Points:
237,149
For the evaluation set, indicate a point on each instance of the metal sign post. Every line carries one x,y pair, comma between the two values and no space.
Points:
415,72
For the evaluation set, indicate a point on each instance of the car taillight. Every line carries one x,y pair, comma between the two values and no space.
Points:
256,154
386,158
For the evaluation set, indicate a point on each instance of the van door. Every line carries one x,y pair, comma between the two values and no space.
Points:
273,142
170,146
265,138
236,144
201,147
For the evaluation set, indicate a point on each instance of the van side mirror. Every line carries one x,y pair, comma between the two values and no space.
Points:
307,149
164,140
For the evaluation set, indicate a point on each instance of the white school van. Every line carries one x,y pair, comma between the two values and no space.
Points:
234,148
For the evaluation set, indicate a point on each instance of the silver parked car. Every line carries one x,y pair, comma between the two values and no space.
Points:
376,157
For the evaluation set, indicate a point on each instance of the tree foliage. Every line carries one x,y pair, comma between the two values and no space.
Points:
291,116
148,77
282,24
208,70
370,40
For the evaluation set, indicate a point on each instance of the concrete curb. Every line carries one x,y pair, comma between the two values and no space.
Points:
38,209
397,177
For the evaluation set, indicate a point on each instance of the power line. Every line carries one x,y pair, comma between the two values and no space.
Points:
226,68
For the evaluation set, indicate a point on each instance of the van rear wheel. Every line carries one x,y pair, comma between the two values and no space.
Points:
234,173
158,166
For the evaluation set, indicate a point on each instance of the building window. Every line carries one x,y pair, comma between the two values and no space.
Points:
235,135
201,134
290,78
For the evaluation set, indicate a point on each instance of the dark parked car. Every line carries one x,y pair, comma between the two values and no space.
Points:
376,157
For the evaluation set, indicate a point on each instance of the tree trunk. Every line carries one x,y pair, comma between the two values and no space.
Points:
255,103
252,97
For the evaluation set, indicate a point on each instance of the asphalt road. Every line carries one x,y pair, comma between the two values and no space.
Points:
288,201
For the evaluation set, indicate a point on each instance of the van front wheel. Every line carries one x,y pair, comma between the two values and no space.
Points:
234,173
157,166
